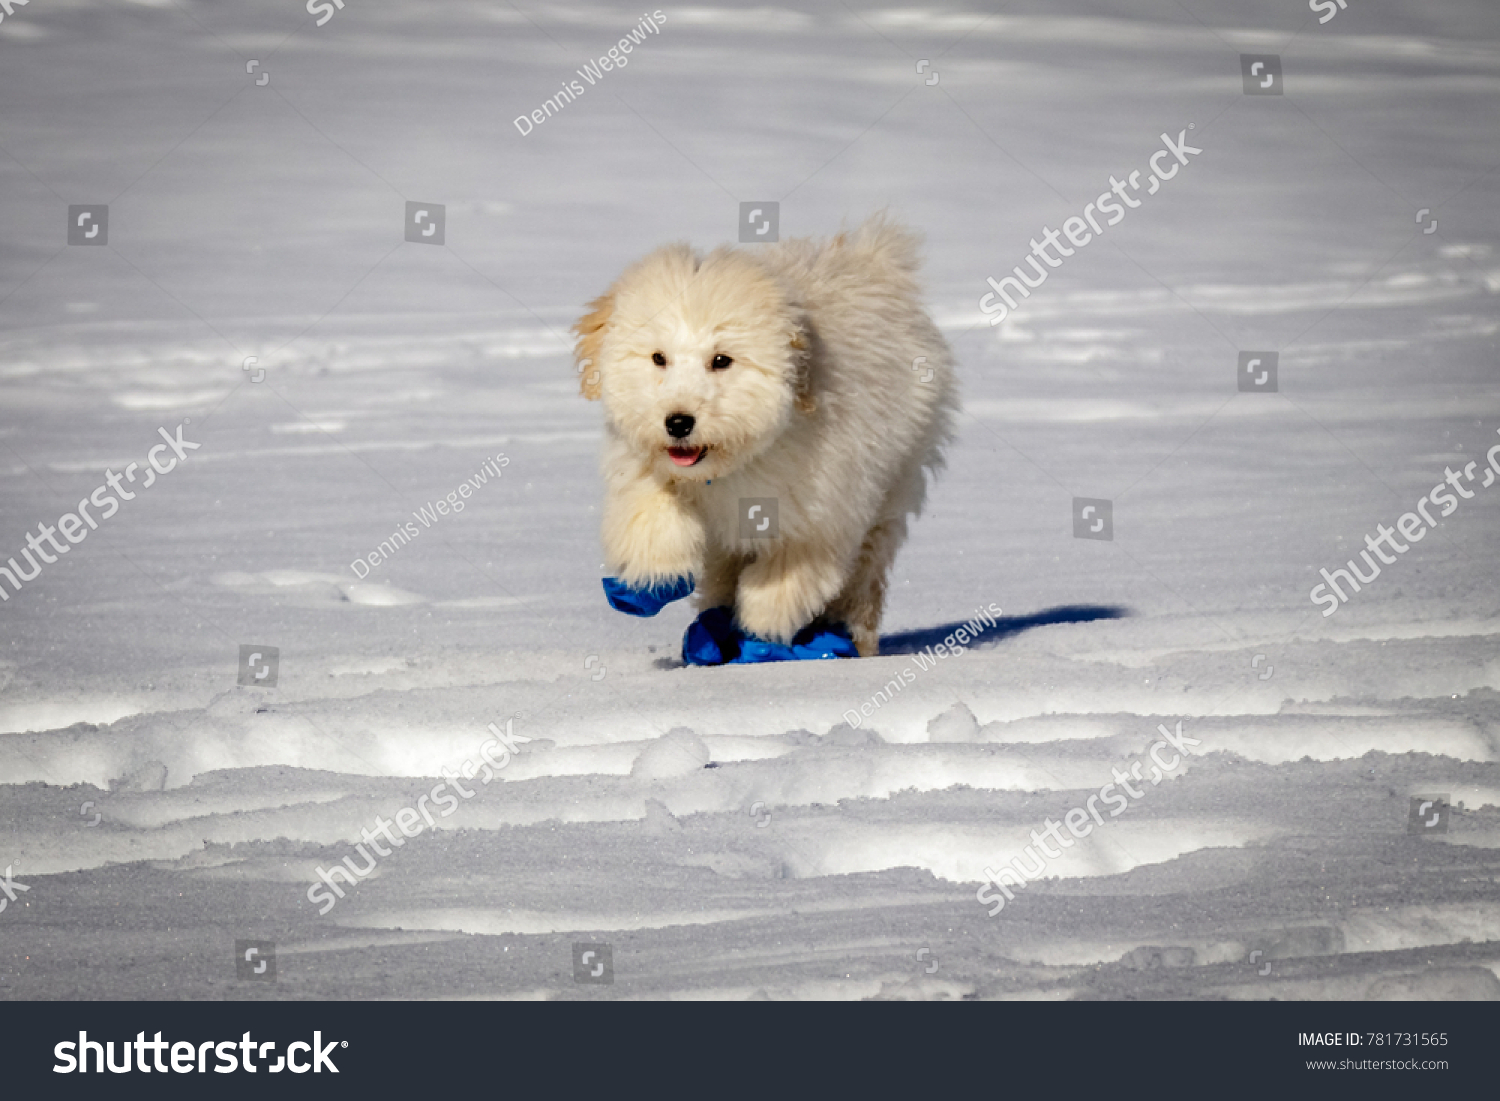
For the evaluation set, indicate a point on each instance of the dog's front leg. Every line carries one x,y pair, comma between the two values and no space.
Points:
651,535
781,591
721,576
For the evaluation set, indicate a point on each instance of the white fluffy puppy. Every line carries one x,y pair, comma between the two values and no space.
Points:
807,372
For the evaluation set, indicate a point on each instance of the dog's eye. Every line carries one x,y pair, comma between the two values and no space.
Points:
720,362
658,359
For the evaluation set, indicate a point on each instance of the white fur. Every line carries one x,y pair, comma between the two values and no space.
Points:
822,409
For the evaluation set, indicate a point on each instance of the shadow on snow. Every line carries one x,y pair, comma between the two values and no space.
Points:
909,642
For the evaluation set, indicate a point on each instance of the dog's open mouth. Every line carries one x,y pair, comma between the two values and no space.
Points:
687,456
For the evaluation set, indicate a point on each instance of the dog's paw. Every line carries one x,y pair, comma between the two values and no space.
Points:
781,592
773,613
650,537
645,601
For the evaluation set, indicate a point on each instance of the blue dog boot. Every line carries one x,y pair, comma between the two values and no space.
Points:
715,639
645,602
712,638
812,643
832,641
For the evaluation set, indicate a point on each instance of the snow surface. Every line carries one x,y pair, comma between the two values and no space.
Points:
726,830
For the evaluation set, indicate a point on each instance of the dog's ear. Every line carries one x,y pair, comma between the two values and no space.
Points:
802,356
590,329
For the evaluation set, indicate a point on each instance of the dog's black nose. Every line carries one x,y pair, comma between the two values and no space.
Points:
679,425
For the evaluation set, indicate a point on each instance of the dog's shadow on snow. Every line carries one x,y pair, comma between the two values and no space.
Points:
910,642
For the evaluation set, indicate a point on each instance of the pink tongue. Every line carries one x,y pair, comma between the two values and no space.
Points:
684,456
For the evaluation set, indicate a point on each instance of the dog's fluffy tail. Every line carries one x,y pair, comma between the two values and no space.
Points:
887,242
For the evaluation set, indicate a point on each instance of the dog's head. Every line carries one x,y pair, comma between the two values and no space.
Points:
701,362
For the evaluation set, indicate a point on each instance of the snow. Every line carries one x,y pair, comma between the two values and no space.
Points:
732,832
